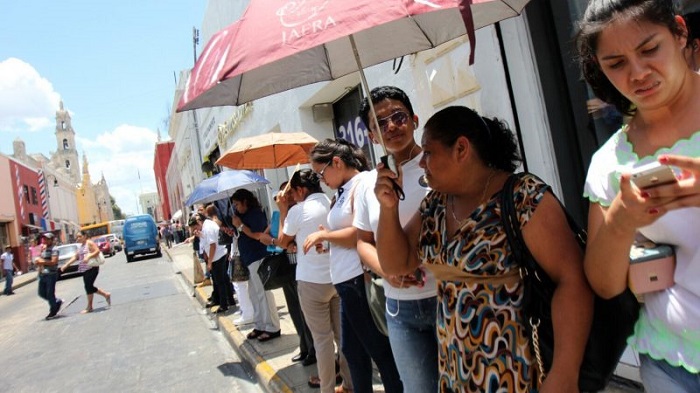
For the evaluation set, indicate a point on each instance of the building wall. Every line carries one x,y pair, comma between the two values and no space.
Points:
8,224
27,210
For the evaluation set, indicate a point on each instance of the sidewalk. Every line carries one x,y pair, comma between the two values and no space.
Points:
21,280
271,360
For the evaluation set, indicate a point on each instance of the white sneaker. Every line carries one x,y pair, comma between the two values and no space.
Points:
240,321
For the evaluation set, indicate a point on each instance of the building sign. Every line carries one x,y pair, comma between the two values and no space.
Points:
348,125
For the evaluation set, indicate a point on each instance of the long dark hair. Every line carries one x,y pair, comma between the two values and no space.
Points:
243,195
492,140
598,15
351,155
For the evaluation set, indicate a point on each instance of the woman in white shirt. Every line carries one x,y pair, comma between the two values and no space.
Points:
341,166
319,300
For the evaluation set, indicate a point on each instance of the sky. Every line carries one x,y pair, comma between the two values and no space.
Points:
112,63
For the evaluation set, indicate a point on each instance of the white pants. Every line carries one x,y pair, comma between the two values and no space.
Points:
244,303
265,315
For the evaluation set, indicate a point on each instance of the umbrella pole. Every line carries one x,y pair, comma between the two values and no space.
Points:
365,86
387,160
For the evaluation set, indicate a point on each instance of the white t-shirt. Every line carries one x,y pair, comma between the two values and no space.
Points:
210,234
345,262
7,258
302,220
367,219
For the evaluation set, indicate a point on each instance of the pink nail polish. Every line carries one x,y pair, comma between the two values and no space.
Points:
645,194
653,210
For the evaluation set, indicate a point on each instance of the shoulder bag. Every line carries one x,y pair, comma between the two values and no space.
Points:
613,319
276,270
239,271
97,260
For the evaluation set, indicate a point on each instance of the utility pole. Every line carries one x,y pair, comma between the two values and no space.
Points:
195,41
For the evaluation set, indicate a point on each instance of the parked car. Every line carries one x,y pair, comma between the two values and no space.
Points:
105,245
65,253
114,240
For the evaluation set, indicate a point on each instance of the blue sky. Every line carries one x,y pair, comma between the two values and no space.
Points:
112,63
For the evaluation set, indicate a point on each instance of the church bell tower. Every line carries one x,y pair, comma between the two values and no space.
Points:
66,153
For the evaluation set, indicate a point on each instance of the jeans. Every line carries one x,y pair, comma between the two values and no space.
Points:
413,340
362,342
47,288
660,376
8,281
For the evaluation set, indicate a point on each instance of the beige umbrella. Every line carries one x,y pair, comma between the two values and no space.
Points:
269,151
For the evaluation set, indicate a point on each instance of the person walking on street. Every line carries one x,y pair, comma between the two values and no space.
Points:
87,251
8,266
48,274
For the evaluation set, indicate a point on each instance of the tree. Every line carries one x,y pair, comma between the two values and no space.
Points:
116,210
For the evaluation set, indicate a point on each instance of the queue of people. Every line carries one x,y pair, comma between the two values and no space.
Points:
432,230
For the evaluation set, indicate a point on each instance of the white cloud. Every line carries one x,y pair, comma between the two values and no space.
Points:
122,155
28,101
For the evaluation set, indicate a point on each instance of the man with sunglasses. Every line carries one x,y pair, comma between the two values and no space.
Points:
411,300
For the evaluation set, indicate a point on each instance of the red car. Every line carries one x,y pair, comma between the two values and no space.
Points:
105,245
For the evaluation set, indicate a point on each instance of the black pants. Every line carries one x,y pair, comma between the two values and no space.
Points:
221,281
89,277
291,296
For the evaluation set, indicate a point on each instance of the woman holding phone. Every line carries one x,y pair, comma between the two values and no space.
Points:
632,54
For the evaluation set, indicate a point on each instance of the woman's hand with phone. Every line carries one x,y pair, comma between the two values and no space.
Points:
686,191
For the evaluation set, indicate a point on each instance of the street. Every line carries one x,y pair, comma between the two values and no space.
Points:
154,338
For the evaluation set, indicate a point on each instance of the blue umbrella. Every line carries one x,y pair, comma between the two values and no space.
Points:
224,184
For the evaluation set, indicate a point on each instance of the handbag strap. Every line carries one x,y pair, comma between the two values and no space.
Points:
511,223
529,269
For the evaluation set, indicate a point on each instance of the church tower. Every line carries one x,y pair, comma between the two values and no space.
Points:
66,158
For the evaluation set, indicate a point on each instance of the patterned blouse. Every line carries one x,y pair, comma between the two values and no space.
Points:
483,345
82,262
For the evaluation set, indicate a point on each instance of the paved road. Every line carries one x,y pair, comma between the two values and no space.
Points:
154,338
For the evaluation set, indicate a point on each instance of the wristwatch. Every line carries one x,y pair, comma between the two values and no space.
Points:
272,241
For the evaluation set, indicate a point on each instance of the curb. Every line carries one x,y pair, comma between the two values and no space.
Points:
267,376
16,284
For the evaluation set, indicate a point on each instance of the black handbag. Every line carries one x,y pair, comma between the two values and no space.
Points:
613,319
276,270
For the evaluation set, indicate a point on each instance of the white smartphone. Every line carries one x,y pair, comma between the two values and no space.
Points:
652,175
